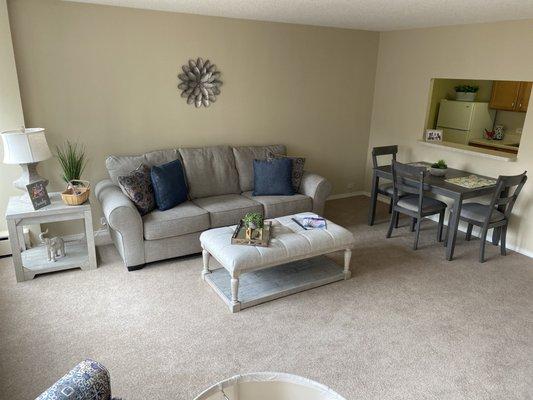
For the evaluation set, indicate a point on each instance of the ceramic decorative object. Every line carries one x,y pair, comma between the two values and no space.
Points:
438,171
439,168
499,131
466,92
200,82
55,246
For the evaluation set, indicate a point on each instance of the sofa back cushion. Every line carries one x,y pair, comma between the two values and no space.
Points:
123,165
210,171
244,161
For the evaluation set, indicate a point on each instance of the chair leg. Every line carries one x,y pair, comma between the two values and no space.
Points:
417,235
390,205
503,237
413,222
397,220
446,235
440,226
391,224
469,232
482,245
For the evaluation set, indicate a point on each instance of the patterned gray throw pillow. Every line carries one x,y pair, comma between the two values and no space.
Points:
138,187
297,168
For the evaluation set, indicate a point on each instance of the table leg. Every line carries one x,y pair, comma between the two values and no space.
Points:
347,258
205,258
15,250
453,225
373,199
235,289
89,236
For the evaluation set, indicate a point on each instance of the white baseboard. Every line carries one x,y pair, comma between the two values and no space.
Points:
102,237
462,228
346,195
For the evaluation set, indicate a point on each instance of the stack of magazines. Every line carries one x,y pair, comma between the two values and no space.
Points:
311,222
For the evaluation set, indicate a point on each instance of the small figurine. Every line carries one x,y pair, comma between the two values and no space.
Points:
55,246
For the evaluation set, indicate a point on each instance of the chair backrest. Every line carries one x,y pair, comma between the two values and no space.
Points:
507,190
408,179
383,151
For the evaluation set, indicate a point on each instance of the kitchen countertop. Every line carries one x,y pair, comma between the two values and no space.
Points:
499,144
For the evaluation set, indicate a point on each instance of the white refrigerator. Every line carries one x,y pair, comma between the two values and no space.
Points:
462,121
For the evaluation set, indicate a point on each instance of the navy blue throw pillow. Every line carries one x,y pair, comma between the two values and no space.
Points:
168,181
273,177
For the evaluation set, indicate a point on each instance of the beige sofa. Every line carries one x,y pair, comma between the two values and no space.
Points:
220,180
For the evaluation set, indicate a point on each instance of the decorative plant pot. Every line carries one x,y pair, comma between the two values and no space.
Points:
254,234
438,171
465,96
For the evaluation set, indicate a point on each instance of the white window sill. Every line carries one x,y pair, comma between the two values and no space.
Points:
480,152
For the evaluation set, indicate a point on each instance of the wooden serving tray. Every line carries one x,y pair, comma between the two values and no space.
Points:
239,236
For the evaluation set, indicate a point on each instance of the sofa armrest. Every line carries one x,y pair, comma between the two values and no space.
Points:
316,187
87,380
124,221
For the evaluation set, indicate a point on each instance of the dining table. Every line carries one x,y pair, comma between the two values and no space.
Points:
438,185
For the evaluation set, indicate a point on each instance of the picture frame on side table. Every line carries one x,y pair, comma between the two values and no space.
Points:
38,194
433,135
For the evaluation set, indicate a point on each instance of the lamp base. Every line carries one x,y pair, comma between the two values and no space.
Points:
29,175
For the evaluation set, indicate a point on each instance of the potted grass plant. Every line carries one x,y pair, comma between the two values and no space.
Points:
466,92
73,160
253,222
439,168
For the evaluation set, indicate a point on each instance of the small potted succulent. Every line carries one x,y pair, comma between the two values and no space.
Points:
466,92
439,168
253,222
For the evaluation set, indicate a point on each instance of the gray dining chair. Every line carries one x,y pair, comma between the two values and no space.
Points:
495,214
385,190
409,180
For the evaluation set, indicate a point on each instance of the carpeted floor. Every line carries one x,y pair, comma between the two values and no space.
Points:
409,325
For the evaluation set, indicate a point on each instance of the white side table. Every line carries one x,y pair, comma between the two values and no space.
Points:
30,262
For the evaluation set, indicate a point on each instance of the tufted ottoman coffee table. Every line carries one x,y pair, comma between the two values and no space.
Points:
296,254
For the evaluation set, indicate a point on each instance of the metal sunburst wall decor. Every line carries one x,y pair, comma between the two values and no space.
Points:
200,82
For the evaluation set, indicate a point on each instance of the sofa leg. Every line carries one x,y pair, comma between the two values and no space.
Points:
136,267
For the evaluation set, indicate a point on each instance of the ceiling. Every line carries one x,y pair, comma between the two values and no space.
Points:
377,15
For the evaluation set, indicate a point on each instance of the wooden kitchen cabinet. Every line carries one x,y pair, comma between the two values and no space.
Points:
523,96
510,95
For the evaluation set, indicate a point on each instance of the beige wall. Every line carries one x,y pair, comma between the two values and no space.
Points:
10,109
407,62
107,77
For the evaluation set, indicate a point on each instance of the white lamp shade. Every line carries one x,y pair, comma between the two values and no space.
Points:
25,147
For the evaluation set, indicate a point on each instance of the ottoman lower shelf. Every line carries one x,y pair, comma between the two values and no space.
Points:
260,286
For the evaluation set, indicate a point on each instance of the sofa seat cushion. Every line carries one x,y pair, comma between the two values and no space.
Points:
278,206
210,171
183,219
244,161
228,209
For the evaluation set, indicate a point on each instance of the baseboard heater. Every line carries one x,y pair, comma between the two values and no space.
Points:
5,246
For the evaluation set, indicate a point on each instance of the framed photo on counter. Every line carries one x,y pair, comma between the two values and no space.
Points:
433,135
38,195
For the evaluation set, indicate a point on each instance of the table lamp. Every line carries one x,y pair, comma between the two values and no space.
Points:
26,147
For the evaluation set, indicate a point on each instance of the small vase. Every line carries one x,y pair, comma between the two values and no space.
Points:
438,171
465,96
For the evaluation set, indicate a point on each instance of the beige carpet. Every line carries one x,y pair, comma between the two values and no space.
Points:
409,325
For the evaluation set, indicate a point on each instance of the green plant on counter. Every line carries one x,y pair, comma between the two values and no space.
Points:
72,159
253,220
441,164
466,88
